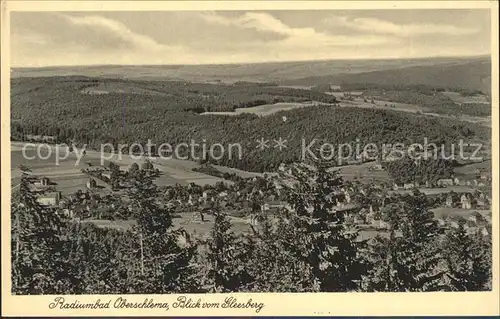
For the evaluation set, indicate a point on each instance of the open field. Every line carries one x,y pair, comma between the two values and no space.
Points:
459,98
363,173
186,220
385,105
201,230
435,191
412,108
239,172
68,172
474,168
119,87
266,109
449,211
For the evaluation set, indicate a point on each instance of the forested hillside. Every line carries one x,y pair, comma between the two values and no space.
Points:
168,113
473,75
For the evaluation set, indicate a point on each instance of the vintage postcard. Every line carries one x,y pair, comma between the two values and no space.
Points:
233,158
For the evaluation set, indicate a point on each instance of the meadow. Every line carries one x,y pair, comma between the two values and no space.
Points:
69,177
265,109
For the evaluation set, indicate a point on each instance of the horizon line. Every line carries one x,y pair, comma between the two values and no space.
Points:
262,62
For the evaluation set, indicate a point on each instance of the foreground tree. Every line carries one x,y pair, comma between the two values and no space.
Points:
272,265
165,253
36,235
318,234
225,256
468,259
408,259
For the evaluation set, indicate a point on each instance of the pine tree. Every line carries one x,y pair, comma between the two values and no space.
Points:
319,235
36,233
468,259
164,252
408,260
226,271
273,267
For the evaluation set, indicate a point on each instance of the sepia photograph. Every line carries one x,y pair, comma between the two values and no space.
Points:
215,152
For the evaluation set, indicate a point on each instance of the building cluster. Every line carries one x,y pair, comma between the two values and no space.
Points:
470,181
248,199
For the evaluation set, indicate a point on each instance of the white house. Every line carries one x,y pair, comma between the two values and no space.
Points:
50,199
107,175
445,182
465,201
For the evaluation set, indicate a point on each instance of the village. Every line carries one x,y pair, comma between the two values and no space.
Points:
105,201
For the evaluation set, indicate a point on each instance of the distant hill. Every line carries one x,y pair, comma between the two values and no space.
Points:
455,70
472,75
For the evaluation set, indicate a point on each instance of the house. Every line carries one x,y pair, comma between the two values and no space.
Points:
377,166
106,175
445,182
476,217
409,186
206,207
485,231
465,201
50,199
171,205
254,219
44,181
395,186
207,194
441,222
91,183
273,206
378,223
358,219
147,166
482,203
472,218
347,197
373,208
449,201
191,200
223,194
456,181
41,138
455,221
67,213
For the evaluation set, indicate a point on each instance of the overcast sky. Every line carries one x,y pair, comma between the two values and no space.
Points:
183,37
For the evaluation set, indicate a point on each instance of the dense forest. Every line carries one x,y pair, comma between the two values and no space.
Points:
410,171
429,97
309,247
168,113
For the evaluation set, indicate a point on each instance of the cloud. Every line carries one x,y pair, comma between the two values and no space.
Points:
86,39
292,35
105,26
80,38
380,26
